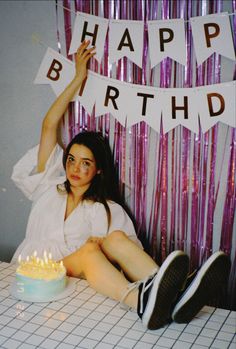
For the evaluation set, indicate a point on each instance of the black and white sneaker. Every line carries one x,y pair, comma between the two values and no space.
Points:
206,286
156,294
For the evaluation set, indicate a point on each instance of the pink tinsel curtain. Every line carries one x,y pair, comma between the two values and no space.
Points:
179,186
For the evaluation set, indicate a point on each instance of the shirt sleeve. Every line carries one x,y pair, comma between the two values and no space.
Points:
119,221
33,184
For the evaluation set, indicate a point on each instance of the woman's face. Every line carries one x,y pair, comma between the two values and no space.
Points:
80,166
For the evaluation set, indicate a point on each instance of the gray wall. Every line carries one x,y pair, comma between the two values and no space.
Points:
23,104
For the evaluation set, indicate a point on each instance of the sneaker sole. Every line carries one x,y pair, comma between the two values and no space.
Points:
168,281
205,287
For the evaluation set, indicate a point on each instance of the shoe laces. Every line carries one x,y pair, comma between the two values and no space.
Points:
133,285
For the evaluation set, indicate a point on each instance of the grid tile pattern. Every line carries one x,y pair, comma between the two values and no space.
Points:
86,319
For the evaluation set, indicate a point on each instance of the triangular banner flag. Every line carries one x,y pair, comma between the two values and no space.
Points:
216,103
89,27
55,70
178,108
126,39
167,39
211,34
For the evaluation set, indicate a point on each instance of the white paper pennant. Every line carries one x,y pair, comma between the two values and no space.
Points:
216,103
55,70
126,39
89,27
178,108
211,34
111,98
143,105
87,95
167,39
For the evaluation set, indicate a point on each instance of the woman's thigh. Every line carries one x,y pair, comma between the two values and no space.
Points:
75,263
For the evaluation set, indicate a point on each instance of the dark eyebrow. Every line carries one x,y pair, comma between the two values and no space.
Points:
87,159
69,154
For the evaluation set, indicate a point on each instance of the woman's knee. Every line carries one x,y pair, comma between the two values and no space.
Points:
75,263
88,249
115,239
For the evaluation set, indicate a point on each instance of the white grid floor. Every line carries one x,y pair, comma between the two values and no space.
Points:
86,319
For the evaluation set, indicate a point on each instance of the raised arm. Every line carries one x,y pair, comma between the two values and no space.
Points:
52,119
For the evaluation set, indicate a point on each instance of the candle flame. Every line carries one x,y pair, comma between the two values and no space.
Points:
42,267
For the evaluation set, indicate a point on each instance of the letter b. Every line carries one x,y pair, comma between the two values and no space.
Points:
55,67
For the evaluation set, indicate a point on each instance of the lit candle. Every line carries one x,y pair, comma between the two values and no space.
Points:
35,253
50,255
27,259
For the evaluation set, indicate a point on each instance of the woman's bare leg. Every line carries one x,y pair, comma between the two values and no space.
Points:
135,262
91,263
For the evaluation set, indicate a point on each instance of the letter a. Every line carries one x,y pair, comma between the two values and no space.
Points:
122,42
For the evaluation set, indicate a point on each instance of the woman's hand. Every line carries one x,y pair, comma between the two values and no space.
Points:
83,55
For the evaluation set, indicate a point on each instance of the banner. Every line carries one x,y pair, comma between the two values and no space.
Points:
178,108
126,39
132,103
216,103
211,34
55,70
110,97
166,38
89,27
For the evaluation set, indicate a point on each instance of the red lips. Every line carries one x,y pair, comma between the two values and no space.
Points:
75,178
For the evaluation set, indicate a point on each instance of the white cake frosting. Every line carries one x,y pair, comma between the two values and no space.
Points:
40,280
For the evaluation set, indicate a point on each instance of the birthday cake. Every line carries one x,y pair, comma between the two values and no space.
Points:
39,280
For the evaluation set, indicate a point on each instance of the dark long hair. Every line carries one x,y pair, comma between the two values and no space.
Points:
104,185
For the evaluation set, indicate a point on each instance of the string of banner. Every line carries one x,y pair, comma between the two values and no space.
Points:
178,106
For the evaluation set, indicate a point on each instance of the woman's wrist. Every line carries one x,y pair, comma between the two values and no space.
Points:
77,81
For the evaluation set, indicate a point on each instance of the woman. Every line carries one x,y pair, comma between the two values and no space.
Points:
76,216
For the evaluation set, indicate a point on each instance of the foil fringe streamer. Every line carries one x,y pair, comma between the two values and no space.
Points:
173,200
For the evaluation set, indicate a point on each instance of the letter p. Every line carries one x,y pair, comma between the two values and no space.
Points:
209,35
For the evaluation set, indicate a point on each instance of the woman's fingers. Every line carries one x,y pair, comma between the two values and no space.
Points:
83,51
87,51
87,55
83,46
82,57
